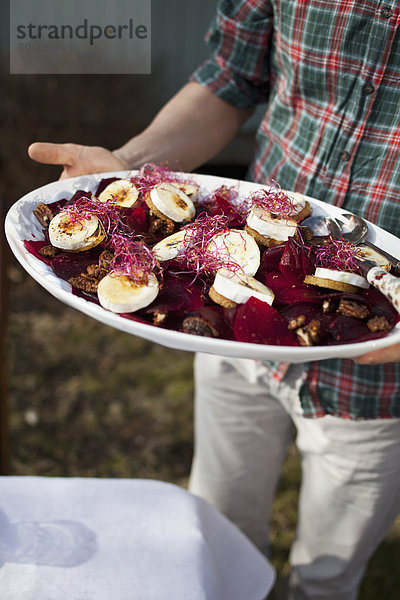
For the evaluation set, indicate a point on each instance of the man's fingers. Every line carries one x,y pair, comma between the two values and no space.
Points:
75,158
376,357
53,154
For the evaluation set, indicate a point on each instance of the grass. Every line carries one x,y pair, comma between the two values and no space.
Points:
93,401
87,400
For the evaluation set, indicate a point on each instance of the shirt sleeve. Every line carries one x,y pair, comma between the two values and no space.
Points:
239,38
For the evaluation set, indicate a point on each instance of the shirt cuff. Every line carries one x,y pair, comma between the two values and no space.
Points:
229,86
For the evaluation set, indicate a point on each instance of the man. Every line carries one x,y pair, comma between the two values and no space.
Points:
329,72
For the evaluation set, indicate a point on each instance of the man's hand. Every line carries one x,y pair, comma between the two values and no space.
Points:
377,357
76,159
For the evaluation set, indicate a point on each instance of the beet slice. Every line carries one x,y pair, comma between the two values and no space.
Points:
287,291
58,205
343,329
308,309
86,295
135,317
379,305
270,260
33,247
77,196
179,293
137,217
66,265
186,286
221,202
295,263
170,299
257,322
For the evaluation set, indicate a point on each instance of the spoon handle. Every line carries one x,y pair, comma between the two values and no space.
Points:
394,261
387,284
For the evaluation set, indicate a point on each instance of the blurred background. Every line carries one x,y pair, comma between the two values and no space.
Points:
83,399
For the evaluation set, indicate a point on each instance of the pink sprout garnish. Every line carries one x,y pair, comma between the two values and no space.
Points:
132,258
151,175
274,201
195,254
231,196
338,255
109,214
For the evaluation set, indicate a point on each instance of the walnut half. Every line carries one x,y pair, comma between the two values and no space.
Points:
48,251
353,309
84,282
44,214
310,334
199,326
297,322
378,324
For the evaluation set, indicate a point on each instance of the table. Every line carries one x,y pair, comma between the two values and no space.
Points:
121,539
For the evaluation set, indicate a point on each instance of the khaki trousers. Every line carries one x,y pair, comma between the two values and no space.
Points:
350,491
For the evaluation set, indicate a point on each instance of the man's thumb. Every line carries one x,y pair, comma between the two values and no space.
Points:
53,154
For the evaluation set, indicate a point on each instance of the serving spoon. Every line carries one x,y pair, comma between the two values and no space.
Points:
355,230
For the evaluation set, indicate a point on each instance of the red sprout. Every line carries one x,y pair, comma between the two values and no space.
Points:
109,214
338,255
132,258
231,196
195,254
151,175
273,200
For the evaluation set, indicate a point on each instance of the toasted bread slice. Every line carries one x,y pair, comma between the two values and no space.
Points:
331,284
219,299
262,240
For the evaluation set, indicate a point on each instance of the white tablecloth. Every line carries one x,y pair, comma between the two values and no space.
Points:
117,539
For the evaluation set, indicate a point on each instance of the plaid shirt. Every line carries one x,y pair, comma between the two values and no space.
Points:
329,72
